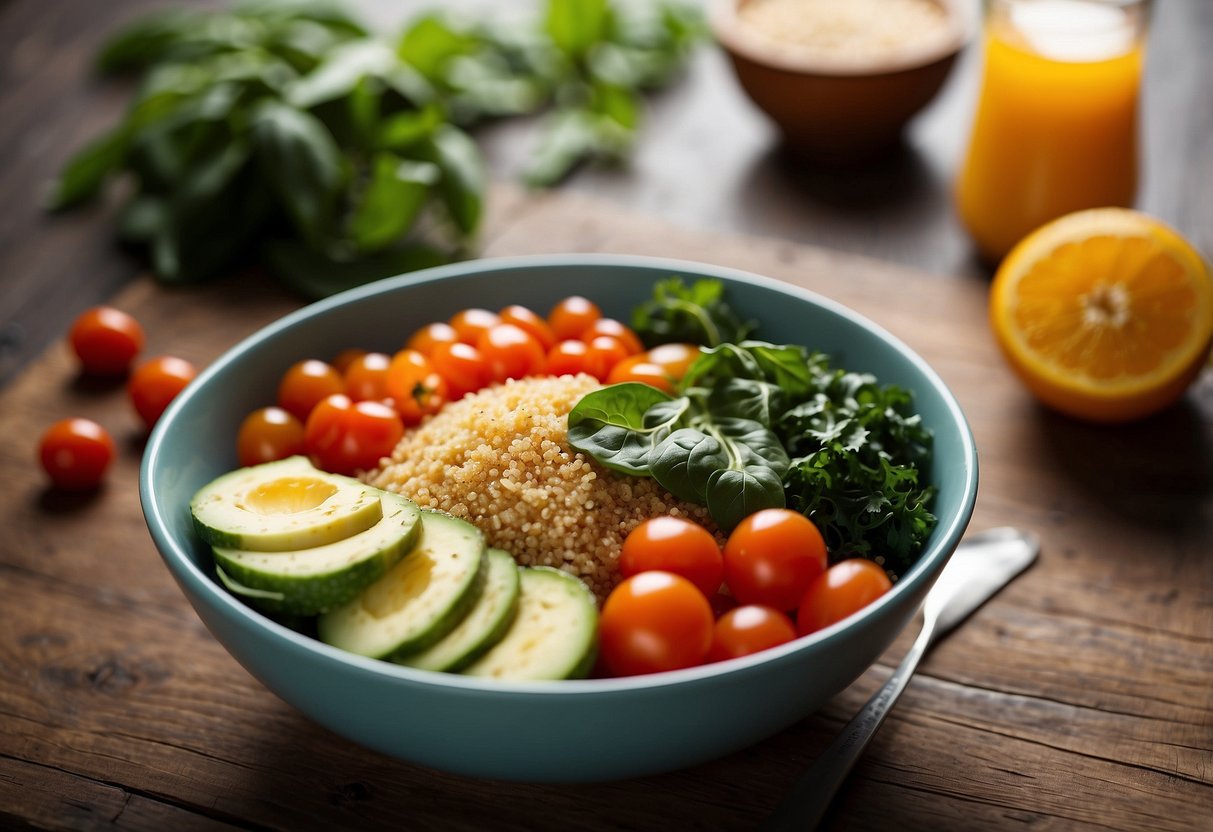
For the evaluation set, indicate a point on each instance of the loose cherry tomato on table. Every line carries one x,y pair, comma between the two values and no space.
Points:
76,453
463,367
749,629
652,622
155,383
772,556
615,329
673,544
524,318
267,435
366,377
305,383
842,590
571,316
414,386
431,335
511,352
106,340
343,436
470,324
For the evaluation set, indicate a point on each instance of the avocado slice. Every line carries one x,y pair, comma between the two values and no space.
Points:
310,581
281,506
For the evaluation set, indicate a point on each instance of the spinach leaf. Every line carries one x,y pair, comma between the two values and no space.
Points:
614,427
689,314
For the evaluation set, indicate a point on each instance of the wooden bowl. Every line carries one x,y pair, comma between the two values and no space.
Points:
839,109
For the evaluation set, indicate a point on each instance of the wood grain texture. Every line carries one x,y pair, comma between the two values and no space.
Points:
1079,699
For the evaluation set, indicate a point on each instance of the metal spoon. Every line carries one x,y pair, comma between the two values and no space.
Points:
982,564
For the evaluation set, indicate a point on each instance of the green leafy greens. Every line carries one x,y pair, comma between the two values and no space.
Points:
759,425
284,133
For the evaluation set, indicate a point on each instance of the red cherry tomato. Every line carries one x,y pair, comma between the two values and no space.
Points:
772,557
673,544
267,435
463,367
106,340
615,329
675,359
652,622
842,590
155,383
749,629
76,453
366,377
639,368
570,317
305,383
533,323
414,386
344,436
568,358
342,360
605,351
431,335
469,324
511,352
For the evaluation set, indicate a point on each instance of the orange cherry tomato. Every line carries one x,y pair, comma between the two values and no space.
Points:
772,556
155,383
639,368
366,377
511,352
570,317
842,590
749,629
675,359
414,386
568,358
652,622
344,437
463,367
673,544
106,340
267,435
532,322
76,453
605,351
615,329
431,335
342,360
469,324
305,383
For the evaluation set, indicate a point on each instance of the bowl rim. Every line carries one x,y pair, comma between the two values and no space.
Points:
181,564
741,40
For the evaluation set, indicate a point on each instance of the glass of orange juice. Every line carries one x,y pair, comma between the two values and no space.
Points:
1056,129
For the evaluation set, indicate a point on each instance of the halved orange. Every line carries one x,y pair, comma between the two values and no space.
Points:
1106,314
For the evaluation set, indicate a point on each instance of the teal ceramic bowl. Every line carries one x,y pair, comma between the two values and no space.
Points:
585,730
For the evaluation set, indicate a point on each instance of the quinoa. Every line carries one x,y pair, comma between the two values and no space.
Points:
500,459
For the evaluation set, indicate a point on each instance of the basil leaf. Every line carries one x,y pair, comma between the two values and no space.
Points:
405,129
391,201
87,171
429,43
610,425
464,178
341,71
145,41
318,274
301,162
576,25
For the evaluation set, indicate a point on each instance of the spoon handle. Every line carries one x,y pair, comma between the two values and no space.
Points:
810,796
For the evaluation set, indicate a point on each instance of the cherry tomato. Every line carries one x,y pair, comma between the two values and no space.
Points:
106,340
155,383
76,453
305,383
605,351
772,557
568,358
366,377
652,622
615,329
639,368
431,335
463,367
511,352
344,436
845,588
267,435
673,544
533,323
675,359
469,324
570,317
342,360
749,629
414,386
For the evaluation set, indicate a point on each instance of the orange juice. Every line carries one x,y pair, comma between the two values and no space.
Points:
1056,126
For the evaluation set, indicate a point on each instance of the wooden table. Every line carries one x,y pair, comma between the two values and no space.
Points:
1080,698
